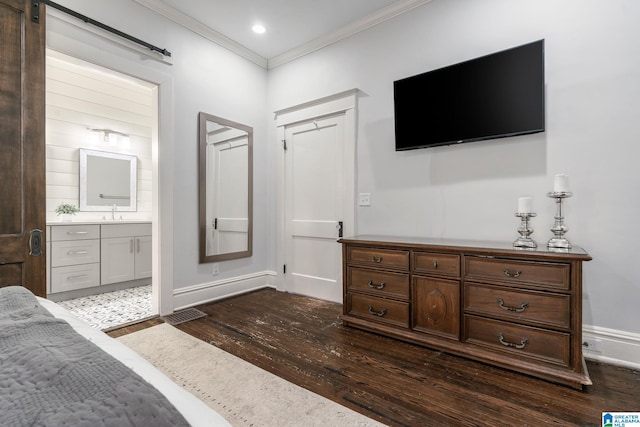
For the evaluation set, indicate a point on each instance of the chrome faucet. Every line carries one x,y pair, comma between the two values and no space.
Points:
113,212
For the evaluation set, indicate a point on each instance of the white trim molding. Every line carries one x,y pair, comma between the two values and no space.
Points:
220,289
201,29
210,34
611,346
368,21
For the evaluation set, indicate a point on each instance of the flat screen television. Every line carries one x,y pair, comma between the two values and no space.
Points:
494,96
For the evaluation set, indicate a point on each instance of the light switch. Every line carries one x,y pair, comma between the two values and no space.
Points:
365,199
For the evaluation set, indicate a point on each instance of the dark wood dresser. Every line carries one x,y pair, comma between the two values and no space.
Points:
519,309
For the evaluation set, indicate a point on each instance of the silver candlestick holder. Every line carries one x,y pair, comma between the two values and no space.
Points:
559,229
524,241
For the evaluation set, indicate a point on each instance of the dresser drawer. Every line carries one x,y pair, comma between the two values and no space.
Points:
518,273
75,252
435,263
74,232
395,313
378,282
75,277
540,308
519,341
386,258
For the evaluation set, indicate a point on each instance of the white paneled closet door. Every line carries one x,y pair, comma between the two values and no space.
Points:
314,208
316,193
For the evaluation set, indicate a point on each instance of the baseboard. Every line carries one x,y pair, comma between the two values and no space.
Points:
611,346
225,288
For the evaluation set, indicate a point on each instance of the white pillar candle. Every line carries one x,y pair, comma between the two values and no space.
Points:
524,205
561,183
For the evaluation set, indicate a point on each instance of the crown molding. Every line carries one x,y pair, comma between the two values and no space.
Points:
198,27
371,20
201,29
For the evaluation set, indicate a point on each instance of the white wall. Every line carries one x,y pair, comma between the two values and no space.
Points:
470,191
202,77
466,191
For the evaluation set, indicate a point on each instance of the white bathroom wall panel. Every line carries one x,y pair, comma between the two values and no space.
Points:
81,96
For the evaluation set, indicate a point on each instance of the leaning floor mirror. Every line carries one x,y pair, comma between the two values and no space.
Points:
226,188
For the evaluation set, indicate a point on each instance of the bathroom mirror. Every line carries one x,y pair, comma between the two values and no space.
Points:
226,188
107,179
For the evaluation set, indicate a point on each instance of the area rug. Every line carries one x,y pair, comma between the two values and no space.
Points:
241,392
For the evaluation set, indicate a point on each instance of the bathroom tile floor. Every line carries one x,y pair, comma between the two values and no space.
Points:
111,309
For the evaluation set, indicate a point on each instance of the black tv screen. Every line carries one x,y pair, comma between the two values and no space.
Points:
494,96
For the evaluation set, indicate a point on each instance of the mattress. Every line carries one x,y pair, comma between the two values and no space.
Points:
192,409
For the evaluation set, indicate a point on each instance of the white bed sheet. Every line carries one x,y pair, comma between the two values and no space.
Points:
192,409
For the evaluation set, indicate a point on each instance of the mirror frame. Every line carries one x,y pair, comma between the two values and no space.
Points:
84,176
203,118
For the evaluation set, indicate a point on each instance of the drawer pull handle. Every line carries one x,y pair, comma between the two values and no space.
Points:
79,277
74,233
523,342
376,259
435,263
380,286
522,308
77,252
377,313
510,274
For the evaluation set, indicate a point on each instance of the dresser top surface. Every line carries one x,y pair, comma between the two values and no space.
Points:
465,245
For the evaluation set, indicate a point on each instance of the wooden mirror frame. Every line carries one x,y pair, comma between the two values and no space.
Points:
203,118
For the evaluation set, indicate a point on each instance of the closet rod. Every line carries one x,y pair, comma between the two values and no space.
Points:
35,17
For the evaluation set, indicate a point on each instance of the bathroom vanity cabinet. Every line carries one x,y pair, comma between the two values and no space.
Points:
125,252
83,256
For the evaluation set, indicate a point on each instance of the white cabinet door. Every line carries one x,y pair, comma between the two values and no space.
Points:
117,260
143,257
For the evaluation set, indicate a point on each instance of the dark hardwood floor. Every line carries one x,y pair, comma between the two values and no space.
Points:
303,341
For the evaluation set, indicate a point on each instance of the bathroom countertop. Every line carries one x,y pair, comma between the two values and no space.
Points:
100,222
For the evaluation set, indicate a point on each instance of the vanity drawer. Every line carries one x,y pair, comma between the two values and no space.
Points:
395,313
75,252
74,232
435,263
385,258
75,277
109,231
518,273
519,341
541,308
378,282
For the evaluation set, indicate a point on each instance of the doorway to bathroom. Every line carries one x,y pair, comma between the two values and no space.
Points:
99,263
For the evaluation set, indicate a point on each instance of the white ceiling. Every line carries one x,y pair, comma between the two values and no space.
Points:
294,27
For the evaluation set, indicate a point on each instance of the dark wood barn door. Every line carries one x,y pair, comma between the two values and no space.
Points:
22,145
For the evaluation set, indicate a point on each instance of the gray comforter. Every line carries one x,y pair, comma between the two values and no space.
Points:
52,376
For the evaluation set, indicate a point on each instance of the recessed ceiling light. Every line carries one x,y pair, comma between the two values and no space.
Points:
259,29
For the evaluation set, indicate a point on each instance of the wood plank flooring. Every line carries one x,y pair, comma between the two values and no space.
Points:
399,384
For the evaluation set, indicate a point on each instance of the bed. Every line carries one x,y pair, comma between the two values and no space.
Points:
56,370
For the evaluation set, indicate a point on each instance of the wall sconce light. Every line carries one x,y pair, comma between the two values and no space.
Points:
112,137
